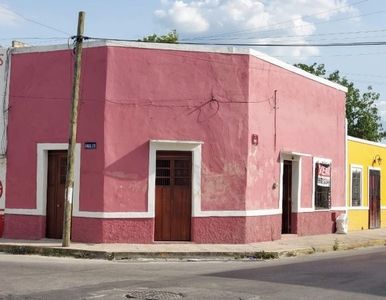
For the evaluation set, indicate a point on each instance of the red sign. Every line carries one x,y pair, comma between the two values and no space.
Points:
324,175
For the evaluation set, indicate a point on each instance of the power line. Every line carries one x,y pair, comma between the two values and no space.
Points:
16,14
33,38
351,44
271,25
318,23
305,35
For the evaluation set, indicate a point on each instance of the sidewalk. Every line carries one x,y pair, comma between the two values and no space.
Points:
288,246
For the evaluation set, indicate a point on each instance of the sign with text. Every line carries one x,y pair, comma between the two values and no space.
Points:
324,175
90,145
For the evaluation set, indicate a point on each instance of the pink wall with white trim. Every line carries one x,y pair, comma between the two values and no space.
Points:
132,95
40,93
158,94
310,118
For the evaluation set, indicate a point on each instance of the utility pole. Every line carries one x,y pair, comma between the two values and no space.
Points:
73,129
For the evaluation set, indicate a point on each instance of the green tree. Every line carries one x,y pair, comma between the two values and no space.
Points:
171,38
363,120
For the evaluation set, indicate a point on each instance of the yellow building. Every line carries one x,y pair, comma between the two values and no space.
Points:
366,189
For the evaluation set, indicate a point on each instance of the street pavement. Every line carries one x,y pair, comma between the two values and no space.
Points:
287,246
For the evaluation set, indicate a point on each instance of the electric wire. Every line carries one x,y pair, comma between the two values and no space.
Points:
16,14
275,24
371,43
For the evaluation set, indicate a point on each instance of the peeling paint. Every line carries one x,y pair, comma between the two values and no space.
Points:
121,175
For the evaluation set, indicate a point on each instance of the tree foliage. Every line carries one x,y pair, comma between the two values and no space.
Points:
171,38
362,114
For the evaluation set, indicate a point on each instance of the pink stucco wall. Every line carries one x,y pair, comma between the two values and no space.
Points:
158,94
130,96
40,93
312,223
91,230
24,227
310,118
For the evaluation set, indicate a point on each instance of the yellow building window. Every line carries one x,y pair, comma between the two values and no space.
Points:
356,186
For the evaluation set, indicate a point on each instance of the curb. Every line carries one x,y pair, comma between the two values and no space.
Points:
236,255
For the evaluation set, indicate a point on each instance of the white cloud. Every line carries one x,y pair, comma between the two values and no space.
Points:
252,21
381,105
189,18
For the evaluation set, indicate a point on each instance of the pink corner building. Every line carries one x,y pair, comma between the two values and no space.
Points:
175,143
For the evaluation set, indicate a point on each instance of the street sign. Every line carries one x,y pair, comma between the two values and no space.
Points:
90,145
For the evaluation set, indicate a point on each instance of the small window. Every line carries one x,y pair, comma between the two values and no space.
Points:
356,186
322,185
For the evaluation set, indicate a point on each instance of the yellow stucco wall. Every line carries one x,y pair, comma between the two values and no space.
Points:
361,154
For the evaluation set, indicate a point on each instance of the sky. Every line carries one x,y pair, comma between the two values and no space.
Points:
42,22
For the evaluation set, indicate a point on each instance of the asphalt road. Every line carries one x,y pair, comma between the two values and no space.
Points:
354,274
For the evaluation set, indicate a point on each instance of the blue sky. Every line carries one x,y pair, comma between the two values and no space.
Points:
229,21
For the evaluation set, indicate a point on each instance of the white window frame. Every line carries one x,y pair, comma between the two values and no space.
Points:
325,161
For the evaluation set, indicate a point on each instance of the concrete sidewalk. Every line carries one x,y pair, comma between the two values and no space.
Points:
289,245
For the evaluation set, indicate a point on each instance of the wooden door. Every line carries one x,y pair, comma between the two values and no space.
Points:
287,192
173,204
56,180
374,199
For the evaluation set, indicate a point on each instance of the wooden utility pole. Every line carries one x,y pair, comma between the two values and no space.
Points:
73,128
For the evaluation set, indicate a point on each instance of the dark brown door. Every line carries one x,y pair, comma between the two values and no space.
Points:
287,191
375,199
173,203
56,180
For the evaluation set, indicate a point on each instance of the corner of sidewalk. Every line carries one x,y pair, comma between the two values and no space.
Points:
256,251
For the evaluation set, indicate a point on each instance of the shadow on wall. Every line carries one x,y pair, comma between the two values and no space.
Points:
133,166
126,182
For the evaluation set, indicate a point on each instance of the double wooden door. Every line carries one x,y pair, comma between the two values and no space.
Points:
173,196
375,199
56,180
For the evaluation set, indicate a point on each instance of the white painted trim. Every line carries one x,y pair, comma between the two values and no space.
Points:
306,210
191,48
354,139
115,215
334,208
167,145
22,211
314,161
383,207
294,153
178,142
41,180
354,166
296,187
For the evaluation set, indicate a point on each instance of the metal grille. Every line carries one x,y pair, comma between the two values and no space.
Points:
63,170
163,172
322,193
322,197
356,187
